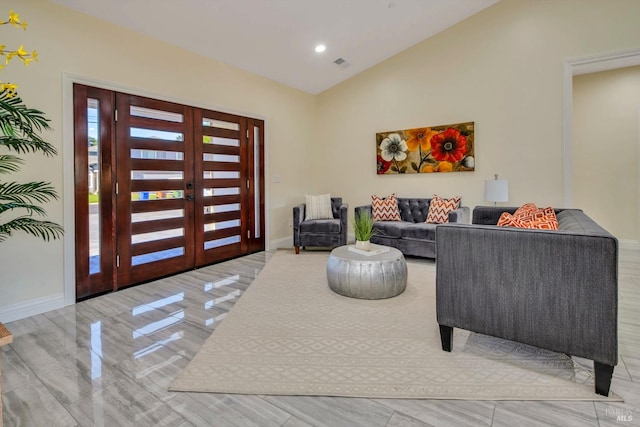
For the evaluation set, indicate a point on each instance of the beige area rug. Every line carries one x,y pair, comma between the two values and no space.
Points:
289,334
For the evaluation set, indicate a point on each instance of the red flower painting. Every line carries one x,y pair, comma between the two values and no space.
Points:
427,149
449,146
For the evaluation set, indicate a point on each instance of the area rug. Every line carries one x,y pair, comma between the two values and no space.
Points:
289,334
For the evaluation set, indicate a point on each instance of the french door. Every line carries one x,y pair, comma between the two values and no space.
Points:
177,187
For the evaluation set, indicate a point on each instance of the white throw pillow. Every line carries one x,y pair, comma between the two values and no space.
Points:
318,207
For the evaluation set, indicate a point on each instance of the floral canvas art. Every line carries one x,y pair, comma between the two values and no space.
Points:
446,148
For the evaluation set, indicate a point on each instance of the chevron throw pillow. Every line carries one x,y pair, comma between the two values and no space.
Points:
439,209
385,209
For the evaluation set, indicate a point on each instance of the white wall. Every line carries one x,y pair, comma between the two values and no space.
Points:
605,148
70,43
503,69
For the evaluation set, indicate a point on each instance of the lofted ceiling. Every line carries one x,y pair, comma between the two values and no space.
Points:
276,38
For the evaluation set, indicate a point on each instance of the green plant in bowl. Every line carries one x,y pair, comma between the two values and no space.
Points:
363,226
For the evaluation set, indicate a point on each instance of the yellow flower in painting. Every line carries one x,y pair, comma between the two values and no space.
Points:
427,169
445,167
21,51
34,55
419,137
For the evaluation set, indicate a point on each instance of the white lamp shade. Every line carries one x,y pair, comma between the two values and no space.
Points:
496,190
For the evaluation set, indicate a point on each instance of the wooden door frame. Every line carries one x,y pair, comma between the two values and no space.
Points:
68,295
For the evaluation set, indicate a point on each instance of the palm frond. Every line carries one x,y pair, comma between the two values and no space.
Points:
13,110
28,145
10,163
27,193
46,230
30,208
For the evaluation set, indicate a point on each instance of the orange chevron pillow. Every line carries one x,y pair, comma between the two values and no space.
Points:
439,209
385,209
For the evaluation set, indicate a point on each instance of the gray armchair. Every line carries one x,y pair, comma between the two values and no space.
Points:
320,232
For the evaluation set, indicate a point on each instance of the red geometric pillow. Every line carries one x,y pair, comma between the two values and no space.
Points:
525,210
385,209
440,208
540,219
508,220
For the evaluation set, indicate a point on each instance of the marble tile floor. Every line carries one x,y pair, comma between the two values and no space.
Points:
108,361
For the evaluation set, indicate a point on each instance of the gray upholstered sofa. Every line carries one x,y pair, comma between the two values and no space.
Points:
556,290
412,236
320,232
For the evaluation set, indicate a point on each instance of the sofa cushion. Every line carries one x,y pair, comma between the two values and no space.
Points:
320,226
385,209
392,229
440,208
420,231
413,209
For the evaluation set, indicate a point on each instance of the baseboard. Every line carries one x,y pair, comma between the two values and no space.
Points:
629,244
284,242
31,308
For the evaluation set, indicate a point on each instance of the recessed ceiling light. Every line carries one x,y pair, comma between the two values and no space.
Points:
320,48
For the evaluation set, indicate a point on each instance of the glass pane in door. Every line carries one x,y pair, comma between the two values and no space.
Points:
93,152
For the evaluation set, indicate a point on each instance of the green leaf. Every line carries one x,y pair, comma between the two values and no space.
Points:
27,193
19,125
363,226
403,169
414,166
394,168
10,163
46,230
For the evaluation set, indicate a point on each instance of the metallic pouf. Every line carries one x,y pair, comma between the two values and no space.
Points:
366,277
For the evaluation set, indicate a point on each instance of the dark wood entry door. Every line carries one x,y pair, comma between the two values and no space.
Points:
155,189
179,187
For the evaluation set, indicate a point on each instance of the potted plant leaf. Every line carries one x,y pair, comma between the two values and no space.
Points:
18,127
363,230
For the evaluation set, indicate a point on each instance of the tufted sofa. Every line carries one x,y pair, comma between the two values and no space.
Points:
412,236
556,290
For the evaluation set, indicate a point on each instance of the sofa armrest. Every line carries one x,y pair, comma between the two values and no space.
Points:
344,218
460,215
364,209
298,217
551,289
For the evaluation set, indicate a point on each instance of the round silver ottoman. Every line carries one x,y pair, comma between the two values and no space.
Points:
366,277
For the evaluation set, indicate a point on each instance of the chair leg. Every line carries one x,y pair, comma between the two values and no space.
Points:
297,250
446,337
603,377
